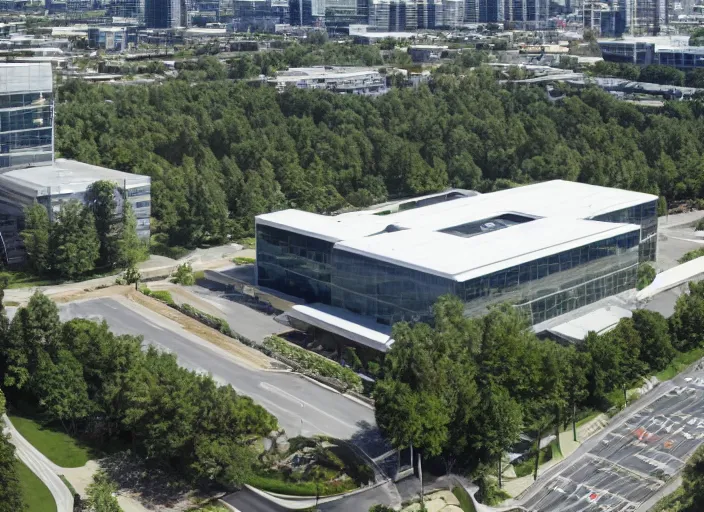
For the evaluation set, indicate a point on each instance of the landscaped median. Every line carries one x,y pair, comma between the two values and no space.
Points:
311,362
309,467
304,361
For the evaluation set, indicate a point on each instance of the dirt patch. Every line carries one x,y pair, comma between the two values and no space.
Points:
108,291
183,295
241,352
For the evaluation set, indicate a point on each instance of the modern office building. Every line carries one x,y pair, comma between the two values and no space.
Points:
26,114
546,248
28,171
163,13
393,15
108,38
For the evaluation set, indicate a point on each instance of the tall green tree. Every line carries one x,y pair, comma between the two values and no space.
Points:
693,480
498,426
656,347
130,249
36,237
74,241
686,321
100,199
62,389
34,331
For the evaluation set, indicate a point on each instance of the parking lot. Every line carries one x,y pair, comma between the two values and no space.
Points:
633,461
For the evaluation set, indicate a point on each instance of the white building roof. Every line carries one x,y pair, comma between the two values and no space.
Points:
67,177
25,77
559,207
328,73
672,278
461,259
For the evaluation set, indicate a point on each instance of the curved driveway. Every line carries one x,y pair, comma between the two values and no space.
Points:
45,470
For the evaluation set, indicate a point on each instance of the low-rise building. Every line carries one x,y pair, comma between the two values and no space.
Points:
55,184
666,51
346,80
426,52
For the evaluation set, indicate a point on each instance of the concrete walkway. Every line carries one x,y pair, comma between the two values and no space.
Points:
45,470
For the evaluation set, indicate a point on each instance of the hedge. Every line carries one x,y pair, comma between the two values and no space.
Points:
314,363
161,295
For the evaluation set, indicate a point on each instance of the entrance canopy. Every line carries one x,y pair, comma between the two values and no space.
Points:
354,327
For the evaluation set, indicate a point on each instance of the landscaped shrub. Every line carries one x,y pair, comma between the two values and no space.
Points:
160,295
213,321
184,275
316,364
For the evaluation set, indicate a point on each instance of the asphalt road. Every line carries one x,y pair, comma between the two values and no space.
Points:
631,461
302,407
45,470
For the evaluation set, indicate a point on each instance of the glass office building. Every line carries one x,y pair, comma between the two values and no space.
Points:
26,115
546,259
294,264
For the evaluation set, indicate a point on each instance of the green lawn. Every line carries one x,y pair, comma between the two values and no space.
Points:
465,501
681,361
36,494
59,447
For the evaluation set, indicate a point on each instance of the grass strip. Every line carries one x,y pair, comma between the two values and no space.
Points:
36,495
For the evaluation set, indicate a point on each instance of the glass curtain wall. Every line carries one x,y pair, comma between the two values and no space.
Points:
644,215
295,264
384,291
544,288
25,128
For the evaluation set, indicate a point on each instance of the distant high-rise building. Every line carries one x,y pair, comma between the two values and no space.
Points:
300,12
127,9
642,16
491,11
393,15
162,13
471,11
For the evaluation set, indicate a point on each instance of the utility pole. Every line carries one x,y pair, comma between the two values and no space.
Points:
420,474
574,422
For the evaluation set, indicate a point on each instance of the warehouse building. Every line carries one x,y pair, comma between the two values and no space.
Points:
547,248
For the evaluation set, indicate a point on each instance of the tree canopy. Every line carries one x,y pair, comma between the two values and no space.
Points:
220,153
84,377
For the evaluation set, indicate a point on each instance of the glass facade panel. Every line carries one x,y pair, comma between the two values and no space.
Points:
644,215
544,288
25,128
384,291
295,264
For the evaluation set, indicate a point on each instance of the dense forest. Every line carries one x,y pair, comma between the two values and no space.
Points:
220,152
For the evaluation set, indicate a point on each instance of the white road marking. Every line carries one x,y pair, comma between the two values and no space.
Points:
281,392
